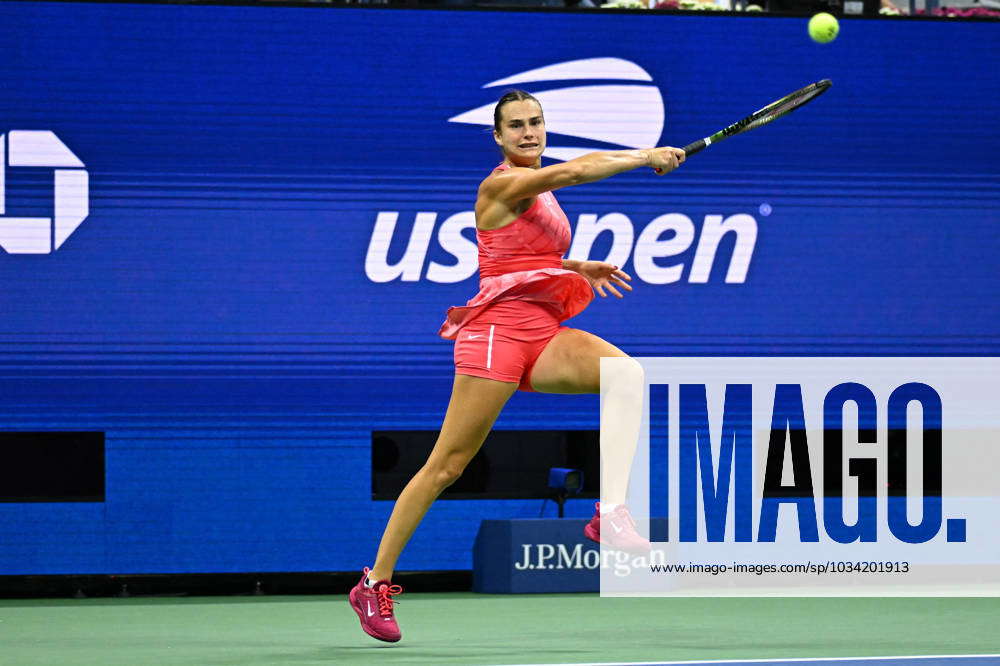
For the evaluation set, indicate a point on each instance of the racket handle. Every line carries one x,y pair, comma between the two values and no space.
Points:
695,147
690,150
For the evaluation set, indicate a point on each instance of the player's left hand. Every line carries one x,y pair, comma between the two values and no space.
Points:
603,276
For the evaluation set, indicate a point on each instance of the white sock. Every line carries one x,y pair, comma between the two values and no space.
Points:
608,508
369,583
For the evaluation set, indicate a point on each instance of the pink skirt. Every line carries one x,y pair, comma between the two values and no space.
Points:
565,292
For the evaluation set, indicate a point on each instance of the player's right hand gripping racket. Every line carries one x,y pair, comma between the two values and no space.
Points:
772,111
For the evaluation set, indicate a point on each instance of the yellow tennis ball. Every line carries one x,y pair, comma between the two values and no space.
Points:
823,28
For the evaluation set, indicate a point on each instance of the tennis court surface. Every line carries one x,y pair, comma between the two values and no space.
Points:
467,628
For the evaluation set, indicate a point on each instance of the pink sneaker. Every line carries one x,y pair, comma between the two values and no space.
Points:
374,608
619,531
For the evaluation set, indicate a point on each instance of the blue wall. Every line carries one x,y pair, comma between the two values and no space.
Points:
215,317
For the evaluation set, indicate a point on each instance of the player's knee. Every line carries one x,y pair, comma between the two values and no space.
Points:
447,476
449,471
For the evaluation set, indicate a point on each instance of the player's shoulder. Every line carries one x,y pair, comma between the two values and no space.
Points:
500,177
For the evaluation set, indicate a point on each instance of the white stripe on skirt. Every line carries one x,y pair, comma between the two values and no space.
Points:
489,350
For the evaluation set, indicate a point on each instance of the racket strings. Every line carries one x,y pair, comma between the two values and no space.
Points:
780,108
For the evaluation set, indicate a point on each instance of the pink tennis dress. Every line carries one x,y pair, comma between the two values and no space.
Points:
524,293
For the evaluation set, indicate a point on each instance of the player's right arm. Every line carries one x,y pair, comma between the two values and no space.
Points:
519,183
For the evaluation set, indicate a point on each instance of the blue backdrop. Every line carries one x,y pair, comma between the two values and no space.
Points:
229,312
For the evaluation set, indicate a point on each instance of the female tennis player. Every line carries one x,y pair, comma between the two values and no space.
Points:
510,337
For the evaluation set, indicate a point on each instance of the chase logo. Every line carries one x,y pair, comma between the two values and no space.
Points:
614,115
43,235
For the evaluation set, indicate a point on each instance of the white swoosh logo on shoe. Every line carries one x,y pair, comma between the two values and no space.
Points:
472,337
370,612
617,529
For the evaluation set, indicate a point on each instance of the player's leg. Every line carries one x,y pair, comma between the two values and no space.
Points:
489,364
571,363
475,404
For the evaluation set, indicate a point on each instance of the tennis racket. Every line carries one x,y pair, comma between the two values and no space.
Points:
772,111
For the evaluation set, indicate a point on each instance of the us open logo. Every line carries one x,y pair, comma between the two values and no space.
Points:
614,114
71,199
623,111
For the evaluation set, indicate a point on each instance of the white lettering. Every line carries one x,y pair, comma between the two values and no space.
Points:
451,239
568,561
546,552
589,227
377,266
577,557
745,228
650,246
521,566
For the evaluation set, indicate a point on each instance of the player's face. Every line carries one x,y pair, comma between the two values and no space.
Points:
522,132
